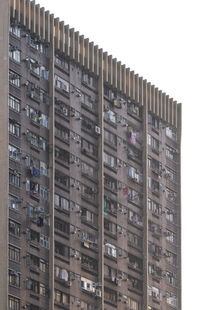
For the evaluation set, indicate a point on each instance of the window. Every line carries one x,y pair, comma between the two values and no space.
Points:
33,235
43,265
171,299
88,192
154,143
154,292
154,207
86,306
110,116
44,241
110,295
87,170
14,228
44,73
171,278
110,138
62,132
134,305
14,253
134,240
14,178
33,286
36,140
43,290
171,195
44,169
89,80
132,195
14,103
61,297
14,203
135,218
13,303
14,152
110,182
155,270
15,30
61,249
14,278
62,179
62,155
88,148
44,193
14,79
110,160
170,215
87,285
171,258
89,262
88,102
171,153
110,250
134,174
110,206
87,124
62,84
110,227
133,109
155,250
61,203
14,128
154,121
61,226
37,117
135,261
170,236
88,216
14,53
170,175
171,133
61,62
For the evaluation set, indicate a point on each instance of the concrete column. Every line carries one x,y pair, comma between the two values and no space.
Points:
4,163
145,197
51,164
101,183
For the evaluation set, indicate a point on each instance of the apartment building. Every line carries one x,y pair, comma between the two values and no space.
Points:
90,209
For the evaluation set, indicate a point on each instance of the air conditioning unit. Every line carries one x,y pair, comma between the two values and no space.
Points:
97,130
98,293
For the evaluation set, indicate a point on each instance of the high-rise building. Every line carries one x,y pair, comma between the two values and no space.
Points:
90,208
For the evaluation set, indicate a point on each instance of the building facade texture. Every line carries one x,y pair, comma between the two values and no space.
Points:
90,209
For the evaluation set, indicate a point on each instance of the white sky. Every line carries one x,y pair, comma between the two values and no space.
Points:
159,39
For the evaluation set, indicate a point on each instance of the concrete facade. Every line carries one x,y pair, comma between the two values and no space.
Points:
93,197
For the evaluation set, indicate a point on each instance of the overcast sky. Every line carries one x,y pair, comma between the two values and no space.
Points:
159,39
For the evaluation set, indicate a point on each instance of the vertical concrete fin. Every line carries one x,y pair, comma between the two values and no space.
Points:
119,75
12,8
42,23
23,12
96,60
57,33
132,82
164,106
77,46
28,15
114,65
141,91
105,66
91,48
128,82
110,70
67,41
38,19
175,121
87,54
17,12
137,99
160,104
156,102
124,79
72,43
149,96
82,50
167,109
62,37
33,23
47,26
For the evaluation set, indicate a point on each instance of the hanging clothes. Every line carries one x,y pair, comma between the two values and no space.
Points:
125,191
36,172
133,138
